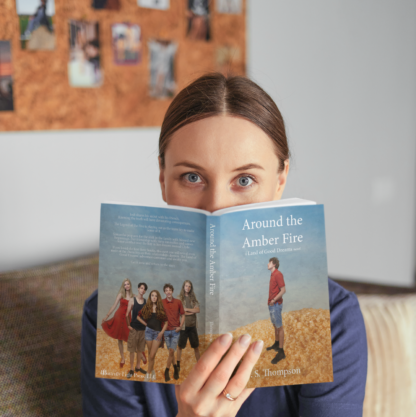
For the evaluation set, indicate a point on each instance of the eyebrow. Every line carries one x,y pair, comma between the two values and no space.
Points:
188,165
249,166
195,166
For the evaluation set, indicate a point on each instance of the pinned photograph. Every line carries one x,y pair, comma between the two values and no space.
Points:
154,4
106,4
198,20
229,6
127,43
227,57
36,24
162,68
84,67
6,77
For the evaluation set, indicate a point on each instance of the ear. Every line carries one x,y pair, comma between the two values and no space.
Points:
282,178
162,179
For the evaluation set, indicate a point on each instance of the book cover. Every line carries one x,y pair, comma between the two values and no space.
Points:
226,256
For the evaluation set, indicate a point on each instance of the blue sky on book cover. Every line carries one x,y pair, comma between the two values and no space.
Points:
244,284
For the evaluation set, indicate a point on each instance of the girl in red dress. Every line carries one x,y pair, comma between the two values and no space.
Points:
116,327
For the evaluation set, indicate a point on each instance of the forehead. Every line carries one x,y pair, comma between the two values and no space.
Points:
221,142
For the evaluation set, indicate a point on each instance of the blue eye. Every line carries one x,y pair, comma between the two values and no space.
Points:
245,181
192,177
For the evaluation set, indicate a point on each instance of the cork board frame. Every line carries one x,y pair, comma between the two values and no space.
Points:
44,99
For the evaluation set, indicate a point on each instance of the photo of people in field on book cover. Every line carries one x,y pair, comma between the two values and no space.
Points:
151,293
171,281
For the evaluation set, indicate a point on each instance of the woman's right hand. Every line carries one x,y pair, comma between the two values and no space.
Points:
202,392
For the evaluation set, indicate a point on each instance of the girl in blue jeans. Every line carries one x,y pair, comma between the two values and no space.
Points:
153,316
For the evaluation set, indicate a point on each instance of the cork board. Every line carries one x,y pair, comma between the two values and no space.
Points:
124,96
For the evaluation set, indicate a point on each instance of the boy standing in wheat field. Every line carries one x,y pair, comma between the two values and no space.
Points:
275,302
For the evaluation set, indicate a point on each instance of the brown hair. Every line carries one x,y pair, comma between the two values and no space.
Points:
147,310
275,262
214,94
167,286
192,295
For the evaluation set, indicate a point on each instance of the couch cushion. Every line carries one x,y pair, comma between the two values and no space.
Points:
40,328
391,335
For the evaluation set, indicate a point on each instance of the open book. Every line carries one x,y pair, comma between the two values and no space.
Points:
236,288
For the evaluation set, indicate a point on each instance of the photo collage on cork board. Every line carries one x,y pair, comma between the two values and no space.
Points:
110,63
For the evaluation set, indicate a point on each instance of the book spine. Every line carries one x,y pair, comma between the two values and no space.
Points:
212,287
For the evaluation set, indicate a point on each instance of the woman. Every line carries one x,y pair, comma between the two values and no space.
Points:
222,144
153,316
116,327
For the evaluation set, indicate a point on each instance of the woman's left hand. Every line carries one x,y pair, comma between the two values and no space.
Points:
159,337
201,394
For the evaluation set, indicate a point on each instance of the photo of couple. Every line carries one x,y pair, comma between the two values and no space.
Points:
152,323
84,66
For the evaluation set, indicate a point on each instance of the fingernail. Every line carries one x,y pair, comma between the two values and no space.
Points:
226,339
245,340
258,346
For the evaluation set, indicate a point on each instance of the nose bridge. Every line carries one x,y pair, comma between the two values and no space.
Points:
217,196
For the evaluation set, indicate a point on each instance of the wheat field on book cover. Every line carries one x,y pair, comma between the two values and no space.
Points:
159,246
296,237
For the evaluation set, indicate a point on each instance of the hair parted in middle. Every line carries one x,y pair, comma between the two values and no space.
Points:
215,94
275,261
122,290
167,286
147,310
191,295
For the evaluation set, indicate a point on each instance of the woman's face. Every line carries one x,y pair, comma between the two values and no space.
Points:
127,286
153,297
221,162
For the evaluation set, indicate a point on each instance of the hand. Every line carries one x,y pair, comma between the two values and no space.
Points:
159,337
201,393
272,303
130,328
104,320
178,329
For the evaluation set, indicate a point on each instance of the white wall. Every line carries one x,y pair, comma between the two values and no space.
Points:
343,75
52,185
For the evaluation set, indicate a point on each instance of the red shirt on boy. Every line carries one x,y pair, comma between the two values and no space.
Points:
276,283
173,309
